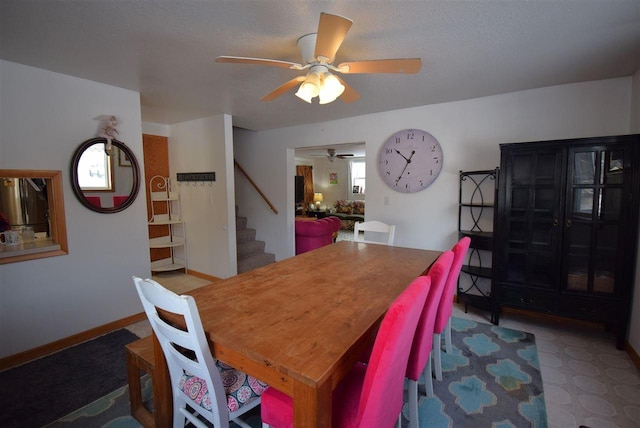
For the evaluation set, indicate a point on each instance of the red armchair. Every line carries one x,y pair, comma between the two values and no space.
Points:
315,234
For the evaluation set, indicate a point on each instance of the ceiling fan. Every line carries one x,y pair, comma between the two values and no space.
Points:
318,52
333,155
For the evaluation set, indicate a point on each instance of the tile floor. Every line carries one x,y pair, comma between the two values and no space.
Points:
586,380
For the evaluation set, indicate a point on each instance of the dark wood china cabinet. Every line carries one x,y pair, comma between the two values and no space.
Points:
567,229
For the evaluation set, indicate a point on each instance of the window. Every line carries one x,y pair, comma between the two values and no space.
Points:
95,169
358,173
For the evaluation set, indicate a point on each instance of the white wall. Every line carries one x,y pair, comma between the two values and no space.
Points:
331,192
206,145
469,132
152,128
44,117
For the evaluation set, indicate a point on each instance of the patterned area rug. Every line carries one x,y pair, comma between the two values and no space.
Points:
492,379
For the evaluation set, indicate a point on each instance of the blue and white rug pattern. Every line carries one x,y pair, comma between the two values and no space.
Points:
492,378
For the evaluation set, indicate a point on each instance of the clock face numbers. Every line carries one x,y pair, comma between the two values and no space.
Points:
410,160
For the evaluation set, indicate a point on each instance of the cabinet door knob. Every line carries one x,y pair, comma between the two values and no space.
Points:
569,223
555,222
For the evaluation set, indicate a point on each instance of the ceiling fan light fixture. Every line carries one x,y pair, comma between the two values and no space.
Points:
304,93
310,88
331,89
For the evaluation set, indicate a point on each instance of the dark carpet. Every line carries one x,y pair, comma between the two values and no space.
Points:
44,390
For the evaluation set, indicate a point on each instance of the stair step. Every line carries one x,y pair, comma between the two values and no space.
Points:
241,223
254,262
250,248
245,235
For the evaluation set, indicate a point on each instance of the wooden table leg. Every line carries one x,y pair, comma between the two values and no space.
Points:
163,400
312,407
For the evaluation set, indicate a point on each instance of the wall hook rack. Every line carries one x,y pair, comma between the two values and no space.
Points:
195,178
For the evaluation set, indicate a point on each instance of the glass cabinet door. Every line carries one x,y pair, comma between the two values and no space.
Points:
534,189
594,219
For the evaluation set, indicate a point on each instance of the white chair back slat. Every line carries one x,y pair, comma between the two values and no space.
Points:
154,296
376,227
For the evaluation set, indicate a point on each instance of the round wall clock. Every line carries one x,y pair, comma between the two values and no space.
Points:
410,160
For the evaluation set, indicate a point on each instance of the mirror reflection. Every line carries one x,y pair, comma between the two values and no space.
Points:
24,207
32,218
105,182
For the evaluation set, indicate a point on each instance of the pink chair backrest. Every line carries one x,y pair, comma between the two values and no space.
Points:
381,398
423,340
119,199
446,302
95,200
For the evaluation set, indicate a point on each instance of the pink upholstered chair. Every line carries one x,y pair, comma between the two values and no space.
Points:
443,317
315,234
94,200
119,199
420,358
370,395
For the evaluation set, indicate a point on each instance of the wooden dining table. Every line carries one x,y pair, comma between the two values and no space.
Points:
300,324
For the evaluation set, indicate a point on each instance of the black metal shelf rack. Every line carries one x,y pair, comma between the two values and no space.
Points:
476,214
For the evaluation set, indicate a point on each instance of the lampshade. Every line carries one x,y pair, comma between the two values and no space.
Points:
309,88
319,82
331,89
317,197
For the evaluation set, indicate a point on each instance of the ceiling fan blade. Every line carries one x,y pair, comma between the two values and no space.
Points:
332,29
349,95
282,89
404,65
259,61
345,155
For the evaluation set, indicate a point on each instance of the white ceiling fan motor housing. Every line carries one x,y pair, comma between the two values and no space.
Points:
307,47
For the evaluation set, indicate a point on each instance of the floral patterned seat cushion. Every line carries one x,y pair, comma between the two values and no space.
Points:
241,388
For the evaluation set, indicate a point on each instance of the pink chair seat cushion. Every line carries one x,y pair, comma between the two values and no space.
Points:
315,234
446,302
241,389
277,407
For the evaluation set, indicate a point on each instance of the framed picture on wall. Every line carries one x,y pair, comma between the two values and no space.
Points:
333,177
123,160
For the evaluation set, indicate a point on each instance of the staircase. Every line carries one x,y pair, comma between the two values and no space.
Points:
250,252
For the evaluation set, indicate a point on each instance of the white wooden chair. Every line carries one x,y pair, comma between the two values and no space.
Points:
201,385
374,226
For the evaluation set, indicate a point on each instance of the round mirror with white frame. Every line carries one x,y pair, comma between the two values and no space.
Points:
105,182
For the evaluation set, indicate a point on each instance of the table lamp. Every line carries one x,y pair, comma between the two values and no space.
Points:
317,198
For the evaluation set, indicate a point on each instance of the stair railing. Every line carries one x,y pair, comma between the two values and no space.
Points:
255,186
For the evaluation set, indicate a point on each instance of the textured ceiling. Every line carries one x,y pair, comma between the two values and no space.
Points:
470,48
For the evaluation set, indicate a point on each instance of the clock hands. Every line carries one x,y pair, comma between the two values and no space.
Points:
398,152
413,152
